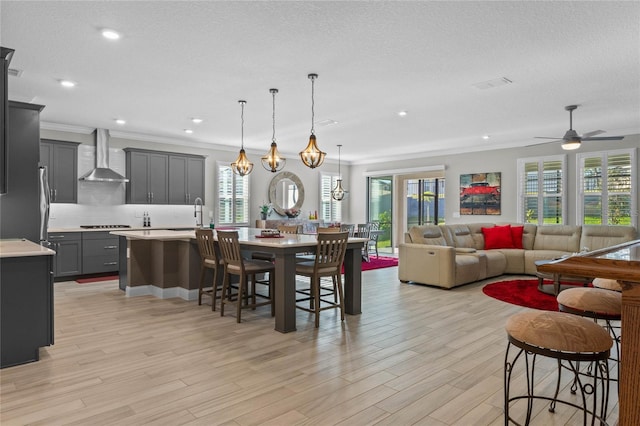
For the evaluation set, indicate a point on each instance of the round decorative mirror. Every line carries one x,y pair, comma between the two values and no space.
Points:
286,192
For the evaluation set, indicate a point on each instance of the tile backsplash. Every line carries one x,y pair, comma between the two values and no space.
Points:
103,203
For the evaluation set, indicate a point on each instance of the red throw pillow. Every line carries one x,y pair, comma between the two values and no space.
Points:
516,236
497,237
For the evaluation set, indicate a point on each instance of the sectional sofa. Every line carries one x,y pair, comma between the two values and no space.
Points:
451,255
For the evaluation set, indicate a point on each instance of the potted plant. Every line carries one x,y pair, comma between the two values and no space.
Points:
265,211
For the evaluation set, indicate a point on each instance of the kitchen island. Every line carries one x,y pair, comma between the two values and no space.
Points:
26,301
166,263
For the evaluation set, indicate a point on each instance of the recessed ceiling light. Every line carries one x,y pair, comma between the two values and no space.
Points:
485,137
120,121
188,131
402,113
110,34
67,83
196,120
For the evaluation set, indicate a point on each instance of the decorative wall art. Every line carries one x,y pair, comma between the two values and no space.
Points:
480,193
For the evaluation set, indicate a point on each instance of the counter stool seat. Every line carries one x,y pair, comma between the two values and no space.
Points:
607,284
569,339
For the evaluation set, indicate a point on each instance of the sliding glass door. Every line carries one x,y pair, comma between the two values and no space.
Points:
380,201
425,202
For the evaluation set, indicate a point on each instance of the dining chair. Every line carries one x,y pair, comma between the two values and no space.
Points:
235,264
289,229
330,252
363,230
325,229
373,238
348,227
209,260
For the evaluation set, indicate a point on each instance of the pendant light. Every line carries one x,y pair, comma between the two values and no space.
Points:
338,193
273,161
312,156
242,166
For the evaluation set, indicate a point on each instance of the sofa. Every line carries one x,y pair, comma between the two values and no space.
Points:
452,255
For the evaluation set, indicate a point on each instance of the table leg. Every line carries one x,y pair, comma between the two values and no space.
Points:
285,292
353,281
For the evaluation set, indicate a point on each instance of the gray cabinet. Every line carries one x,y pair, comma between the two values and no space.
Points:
61,160
148,174
186,179
99,252
26,308
68,248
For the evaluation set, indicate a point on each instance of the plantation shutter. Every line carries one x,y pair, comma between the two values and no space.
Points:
541,194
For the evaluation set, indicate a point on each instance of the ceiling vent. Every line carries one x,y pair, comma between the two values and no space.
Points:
490,84
14,72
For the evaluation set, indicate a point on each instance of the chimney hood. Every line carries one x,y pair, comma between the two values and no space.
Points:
102,172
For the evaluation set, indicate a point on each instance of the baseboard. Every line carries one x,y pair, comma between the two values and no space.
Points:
162,293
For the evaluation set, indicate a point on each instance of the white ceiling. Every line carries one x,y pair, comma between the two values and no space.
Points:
177,60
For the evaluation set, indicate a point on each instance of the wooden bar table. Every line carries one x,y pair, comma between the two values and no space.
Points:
622,263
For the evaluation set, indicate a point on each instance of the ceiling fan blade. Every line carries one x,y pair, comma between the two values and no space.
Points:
545,143
595,132
543,137
604,138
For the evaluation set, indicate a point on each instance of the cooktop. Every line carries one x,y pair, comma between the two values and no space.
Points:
104,226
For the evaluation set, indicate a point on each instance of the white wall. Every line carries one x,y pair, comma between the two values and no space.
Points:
104,203
503,161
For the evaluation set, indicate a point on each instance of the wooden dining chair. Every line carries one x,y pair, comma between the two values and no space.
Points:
325,229
289,229
373,238
235,264
330,252
348,227
209,260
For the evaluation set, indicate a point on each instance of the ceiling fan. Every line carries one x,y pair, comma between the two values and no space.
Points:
572,140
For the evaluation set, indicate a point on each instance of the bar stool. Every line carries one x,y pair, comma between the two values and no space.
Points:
607,284
209,259
596,303
569,339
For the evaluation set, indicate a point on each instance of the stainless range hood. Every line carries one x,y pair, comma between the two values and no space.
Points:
102,172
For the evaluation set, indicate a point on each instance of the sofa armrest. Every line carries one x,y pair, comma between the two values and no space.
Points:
427,264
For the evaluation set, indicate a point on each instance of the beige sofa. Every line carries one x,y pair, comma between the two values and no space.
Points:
451,255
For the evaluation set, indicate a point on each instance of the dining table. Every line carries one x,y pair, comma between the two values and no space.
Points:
622,263
153,261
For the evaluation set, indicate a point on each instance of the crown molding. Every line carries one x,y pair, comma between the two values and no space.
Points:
66,128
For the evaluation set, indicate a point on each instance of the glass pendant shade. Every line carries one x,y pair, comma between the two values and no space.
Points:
242,166
273,161
312,157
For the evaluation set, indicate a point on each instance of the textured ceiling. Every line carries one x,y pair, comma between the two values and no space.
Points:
182,59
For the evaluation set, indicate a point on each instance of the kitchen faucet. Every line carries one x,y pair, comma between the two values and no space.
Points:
195,212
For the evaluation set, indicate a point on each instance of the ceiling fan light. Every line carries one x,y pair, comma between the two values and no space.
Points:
312,157
571,144
273,161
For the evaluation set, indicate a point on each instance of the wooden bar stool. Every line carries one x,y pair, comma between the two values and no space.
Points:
597,303
209,260
570,340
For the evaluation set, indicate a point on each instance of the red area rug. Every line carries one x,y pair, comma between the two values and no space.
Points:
523,293
96,279
379,263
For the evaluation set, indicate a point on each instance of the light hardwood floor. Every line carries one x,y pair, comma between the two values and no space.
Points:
416,355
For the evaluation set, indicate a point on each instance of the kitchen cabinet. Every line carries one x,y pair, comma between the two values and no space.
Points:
68,248
99,252
26,301
148,174
186,179
61,160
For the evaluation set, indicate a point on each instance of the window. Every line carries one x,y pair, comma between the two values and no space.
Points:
425,201
606,187
233,197
330,209
541,190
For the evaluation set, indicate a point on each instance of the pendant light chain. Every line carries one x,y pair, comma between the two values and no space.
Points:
242,124
313,80
273,115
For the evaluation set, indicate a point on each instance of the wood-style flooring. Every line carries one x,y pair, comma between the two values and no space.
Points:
416,355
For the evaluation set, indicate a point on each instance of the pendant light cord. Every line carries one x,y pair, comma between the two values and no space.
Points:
273,138
242,124
339,173
313,78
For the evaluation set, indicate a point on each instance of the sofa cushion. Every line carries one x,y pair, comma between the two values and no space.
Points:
564,238
595,237
497,237
459,235
496,262
516,236
427,234
514,259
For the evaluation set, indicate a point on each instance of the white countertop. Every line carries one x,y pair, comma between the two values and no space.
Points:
23,248
133,228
